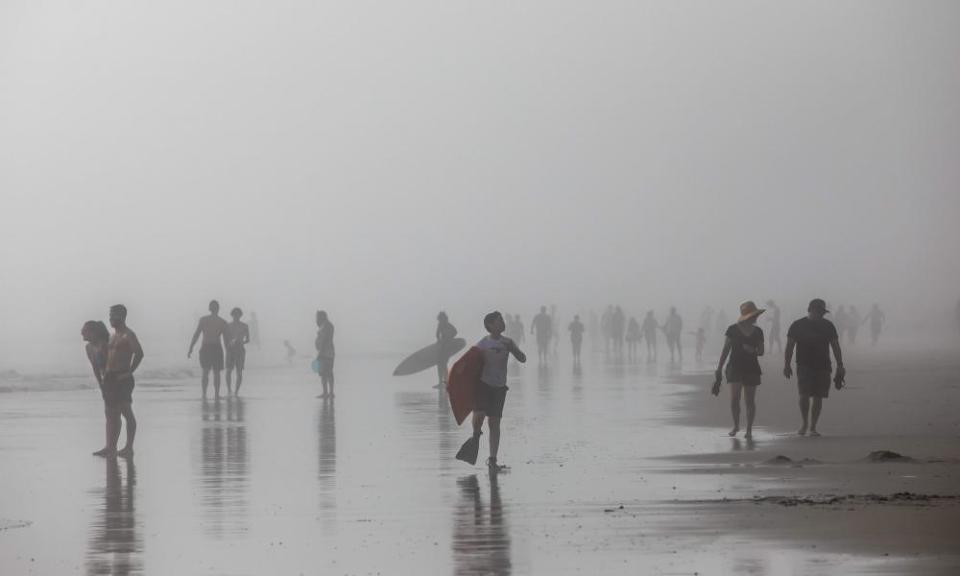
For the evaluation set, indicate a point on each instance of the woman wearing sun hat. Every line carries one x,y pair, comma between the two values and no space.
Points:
743,346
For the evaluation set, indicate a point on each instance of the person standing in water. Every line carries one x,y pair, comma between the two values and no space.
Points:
325,353
124,355
212,328
576,330
446,332
743,346
542,327
672,329
649,329
97,337
774,319
877,319
237,335
491,391
813,337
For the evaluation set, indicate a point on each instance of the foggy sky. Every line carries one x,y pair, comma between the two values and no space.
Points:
384,160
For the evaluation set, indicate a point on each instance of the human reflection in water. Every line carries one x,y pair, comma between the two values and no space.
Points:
224,467
115,546
748,445
481,536
327,457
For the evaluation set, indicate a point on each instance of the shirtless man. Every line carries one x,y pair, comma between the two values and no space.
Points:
124,355
542,326
212,326
237,335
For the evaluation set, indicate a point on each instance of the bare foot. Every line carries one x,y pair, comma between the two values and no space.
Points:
127,452
802,431
733,432
748,435
106,452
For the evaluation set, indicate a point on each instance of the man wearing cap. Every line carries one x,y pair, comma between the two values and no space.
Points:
813,337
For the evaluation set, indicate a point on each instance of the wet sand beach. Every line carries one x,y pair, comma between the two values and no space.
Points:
620,468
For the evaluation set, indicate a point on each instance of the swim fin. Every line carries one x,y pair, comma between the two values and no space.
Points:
468,452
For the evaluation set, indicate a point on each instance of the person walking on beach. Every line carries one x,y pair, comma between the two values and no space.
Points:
672,329
700,337
576,330
743,345
633,338
813,337
877,319
124,355
649,329
237,336
774,320
326,353
491,391
446,332
542,327
212,328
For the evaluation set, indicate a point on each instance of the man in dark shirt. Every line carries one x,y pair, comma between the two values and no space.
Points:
813,337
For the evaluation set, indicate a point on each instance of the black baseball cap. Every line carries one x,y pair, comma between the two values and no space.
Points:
819,305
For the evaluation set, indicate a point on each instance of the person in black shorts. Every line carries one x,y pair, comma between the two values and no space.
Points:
813,337
743,346
212,327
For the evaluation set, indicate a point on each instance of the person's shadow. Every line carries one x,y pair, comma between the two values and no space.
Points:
481,535
115,545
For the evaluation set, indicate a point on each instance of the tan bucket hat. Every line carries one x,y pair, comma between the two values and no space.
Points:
749,310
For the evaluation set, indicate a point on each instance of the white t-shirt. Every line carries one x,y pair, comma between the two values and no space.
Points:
496,352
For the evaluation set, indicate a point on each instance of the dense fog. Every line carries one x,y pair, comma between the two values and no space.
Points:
384,161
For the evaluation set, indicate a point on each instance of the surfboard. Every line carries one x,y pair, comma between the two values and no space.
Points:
426,357
462,383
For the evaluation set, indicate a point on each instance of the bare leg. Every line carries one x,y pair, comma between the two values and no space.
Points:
236,391
804,410
109,435
478,422
114,417
330,380
216,383
494,438
815,415
750,395
205,380
229,372
127,410
735,389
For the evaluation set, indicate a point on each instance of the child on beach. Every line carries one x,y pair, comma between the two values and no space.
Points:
491,391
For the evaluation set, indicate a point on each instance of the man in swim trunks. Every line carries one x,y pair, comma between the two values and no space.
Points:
124,355
813,337
212,327
542,326
237,335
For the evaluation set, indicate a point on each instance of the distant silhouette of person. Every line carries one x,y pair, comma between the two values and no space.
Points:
236,335
212,328
97,337
813,337
124,355
877,319
722,322
326,353
854,321
291,351
618,327
254,330
743,345
491,391
700,337
633,337
649,329
446,332
576,330
542,326
672,329
773,318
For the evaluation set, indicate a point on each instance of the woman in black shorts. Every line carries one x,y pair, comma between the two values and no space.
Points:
743,346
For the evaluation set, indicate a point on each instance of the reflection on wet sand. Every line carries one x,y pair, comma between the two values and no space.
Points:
224,467
327,458
481,537
115,546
